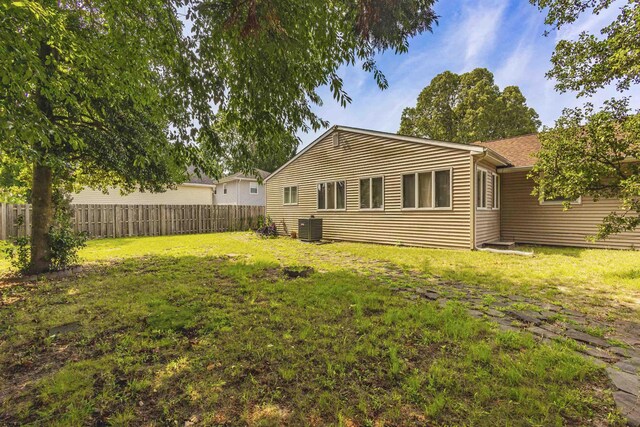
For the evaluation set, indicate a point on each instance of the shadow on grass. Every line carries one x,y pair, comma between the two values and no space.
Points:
224,340
572,252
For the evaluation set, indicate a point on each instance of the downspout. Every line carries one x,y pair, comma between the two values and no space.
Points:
474,158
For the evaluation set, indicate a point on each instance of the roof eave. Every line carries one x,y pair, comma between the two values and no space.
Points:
514,169
453,145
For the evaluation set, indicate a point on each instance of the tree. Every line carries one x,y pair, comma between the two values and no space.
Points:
591,62
244,153
114,93
468,107
589,153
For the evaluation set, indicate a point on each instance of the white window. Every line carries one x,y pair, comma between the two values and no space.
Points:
481,188
290,195
253,187
224,188
332,195
372,193
427,190
496,190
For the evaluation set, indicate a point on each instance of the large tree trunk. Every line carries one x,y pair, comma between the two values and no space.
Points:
42,203
42,188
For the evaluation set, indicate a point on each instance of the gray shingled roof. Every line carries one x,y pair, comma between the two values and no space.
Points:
240,175
193,178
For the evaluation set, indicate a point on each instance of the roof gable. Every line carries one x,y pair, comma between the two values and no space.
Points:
473,149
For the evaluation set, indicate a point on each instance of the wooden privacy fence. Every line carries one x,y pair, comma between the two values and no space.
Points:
139,220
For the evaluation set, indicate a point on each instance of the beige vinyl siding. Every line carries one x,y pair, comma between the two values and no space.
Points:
361,156
487,220
525,220
182,195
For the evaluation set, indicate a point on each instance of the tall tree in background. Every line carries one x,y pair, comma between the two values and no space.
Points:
468,107
114,93
591,153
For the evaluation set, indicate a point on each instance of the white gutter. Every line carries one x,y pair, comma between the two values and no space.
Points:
474,158
514,169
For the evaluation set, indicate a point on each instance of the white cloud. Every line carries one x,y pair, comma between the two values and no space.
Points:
506,39
476,34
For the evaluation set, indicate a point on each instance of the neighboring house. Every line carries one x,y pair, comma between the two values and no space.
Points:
197,191
380,187
240,189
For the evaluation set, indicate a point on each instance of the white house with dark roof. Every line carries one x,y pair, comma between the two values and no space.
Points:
240,189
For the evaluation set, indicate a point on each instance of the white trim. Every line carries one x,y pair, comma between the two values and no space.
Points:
577,201
454,145
487,172
257,188
194,184
335,181
496,199
297,192
370,178
514,169
433,190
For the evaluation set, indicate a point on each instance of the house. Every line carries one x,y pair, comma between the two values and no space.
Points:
196,191
379,187
240,189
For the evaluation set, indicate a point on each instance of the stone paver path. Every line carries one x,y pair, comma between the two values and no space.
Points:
616,348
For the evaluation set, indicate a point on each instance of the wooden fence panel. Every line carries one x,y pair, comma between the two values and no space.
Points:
138,220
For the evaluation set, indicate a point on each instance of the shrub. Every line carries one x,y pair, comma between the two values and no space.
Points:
19,251
64,243
266,227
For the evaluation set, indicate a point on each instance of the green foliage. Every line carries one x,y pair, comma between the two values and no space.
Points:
243,154
63,240
116,93
594,61
467,108
588,153
266,227
18,250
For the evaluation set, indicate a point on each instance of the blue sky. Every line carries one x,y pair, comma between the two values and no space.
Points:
504,36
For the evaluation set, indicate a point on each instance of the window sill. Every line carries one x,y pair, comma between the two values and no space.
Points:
559,203
426,209
372,209
289,204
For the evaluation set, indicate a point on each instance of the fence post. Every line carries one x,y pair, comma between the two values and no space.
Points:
3,221
27,219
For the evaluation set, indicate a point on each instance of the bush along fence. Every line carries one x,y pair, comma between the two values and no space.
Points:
139,220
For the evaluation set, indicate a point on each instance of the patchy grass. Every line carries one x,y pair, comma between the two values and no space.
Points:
207,329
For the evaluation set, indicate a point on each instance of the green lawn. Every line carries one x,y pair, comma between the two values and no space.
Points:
206,329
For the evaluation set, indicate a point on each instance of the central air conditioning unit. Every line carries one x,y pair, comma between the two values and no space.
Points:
310,229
